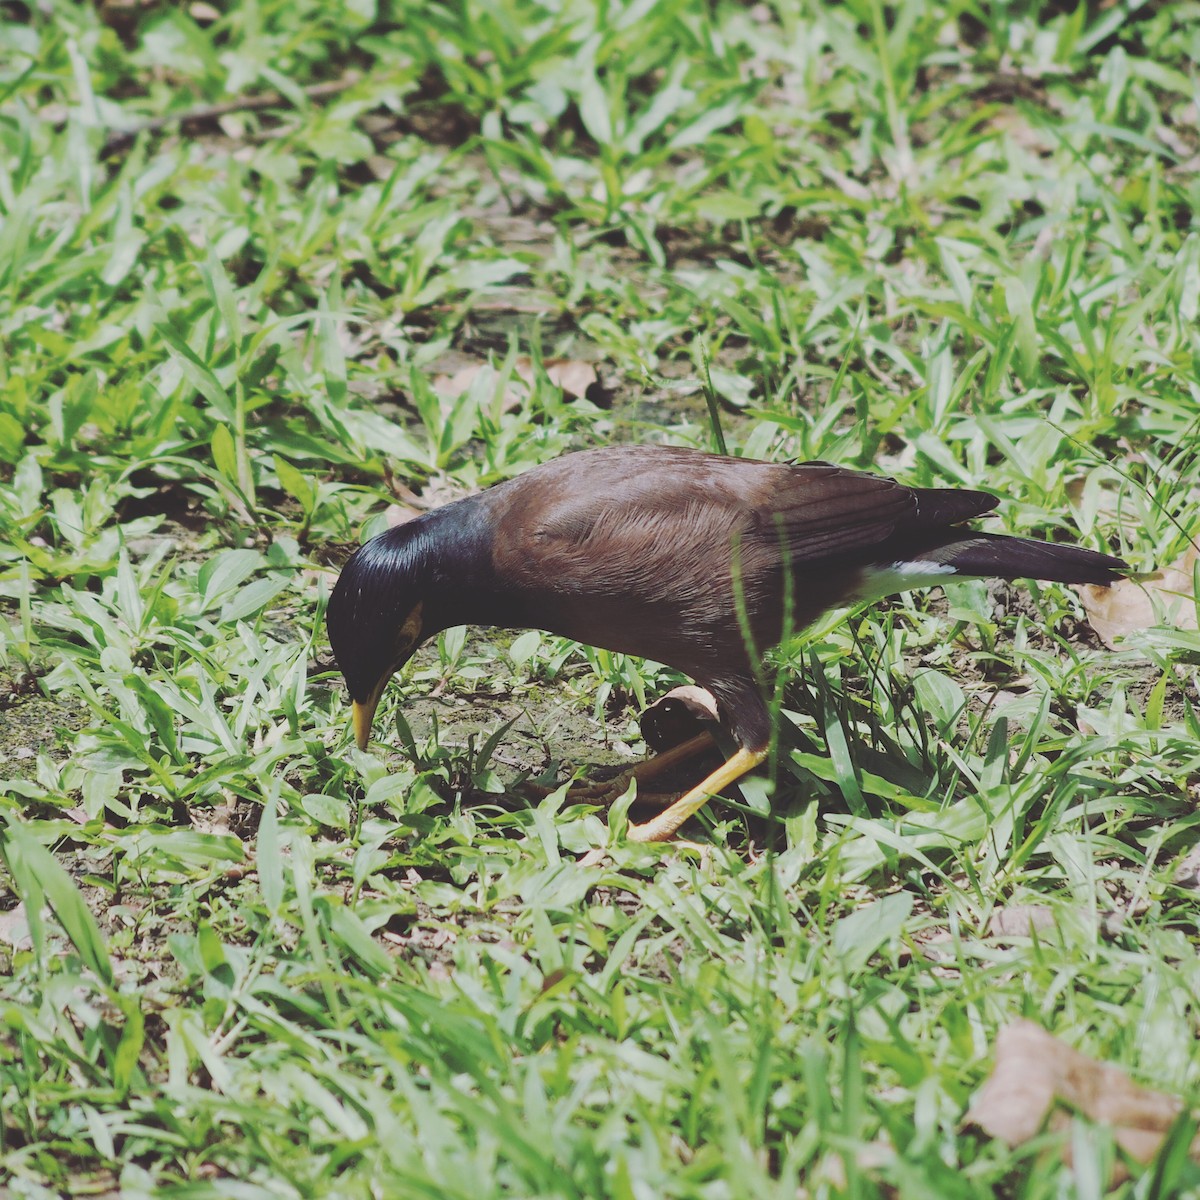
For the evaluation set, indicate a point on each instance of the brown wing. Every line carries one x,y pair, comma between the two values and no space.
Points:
621,508
597,520
817,511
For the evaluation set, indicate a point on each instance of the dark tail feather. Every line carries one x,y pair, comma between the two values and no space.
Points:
1000,556
938,507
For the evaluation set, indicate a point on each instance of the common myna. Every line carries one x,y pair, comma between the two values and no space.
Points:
698,561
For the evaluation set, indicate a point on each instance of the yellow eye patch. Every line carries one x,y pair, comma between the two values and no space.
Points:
409,632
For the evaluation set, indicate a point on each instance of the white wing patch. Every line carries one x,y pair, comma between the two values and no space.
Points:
881,580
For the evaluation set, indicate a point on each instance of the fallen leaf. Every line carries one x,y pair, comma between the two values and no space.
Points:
573,376
870,1157
399,514
1113,921
1035,1071
1021,920
14,928
679,715
1167,597
1011,122
314,578
450,387
1187,874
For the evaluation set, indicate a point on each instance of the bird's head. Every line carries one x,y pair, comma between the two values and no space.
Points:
375,617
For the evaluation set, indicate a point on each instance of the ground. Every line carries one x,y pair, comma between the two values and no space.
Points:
276,274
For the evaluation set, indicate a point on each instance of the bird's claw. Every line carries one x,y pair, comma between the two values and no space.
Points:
602,792
607,791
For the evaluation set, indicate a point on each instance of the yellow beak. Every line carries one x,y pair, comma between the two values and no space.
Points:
362,723
363,713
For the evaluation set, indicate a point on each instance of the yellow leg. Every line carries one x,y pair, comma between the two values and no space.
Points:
663,826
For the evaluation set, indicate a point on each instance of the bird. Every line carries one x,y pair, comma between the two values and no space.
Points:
699,561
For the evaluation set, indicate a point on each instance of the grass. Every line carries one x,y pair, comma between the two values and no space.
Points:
242,959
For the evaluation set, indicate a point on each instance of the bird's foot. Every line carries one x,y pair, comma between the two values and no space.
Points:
662,827
604,792
607,791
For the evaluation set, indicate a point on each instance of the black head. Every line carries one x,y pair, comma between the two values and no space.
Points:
376,615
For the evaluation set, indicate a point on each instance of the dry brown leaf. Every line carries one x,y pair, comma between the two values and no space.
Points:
1187,874
314,578
14,928
1034,1071
679,715
1011,121
1020,920
450,387
573,376
399,514
870,1157
1166,597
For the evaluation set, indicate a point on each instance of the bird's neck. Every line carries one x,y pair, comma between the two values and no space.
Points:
461,587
